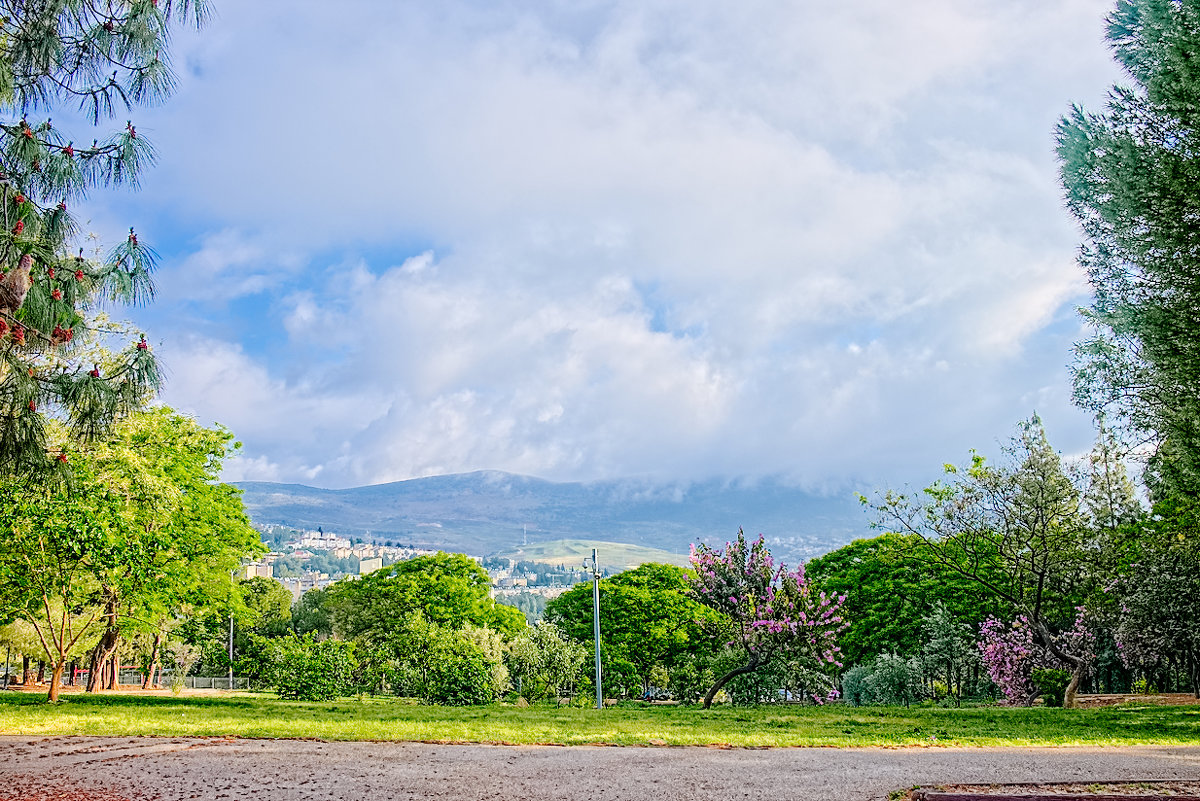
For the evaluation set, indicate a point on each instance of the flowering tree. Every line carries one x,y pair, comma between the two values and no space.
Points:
1009,655
773,612
1012,652
1018,530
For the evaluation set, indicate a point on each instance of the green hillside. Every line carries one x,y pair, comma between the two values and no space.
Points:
614,555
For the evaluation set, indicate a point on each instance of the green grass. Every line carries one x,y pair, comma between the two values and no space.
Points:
391,719
615,555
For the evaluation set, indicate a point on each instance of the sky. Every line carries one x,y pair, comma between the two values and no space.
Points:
821,242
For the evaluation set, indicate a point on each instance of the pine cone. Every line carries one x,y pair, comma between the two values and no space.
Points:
15,286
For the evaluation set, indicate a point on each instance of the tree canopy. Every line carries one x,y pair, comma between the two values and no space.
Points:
891,585
447,589
1130,175
58,357
648,619
141,531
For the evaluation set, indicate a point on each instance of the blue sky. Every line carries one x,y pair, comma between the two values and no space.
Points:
584,240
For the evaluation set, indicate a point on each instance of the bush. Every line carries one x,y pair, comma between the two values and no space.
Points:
1052,684
545,662
460,675
690,679
887,680
855,690
313,671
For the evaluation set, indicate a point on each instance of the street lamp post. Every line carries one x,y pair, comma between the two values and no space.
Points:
595,568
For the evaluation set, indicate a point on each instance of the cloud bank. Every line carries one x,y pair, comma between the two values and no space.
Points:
590,240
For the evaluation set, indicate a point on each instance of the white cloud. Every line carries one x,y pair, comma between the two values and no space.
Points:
611,238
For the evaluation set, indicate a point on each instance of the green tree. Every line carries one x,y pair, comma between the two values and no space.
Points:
142,532
950,648
448,589
108,58
1018,530
1130,175
311,671
545,661
310,614
50,538
891,583
1158,598
647,619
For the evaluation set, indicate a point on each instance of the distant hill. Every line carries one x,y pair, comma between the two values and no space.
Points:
612,555
488,512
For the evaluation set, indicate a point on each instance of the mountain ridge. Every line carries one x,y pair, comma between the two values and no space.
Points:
486,511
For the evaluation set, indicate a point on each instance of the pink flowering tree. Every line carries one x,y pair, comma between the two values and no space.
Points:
773,612
1009,656
1012,651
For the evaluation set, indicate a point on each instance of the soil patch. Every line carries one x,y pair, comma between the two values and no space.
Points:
1061,791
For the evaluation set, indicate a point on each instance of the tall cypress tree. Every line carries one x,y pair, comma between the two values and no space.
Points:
1132,178
58,356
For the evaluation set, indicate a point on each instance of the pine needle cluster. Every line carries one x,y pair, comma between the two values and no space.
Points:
59,357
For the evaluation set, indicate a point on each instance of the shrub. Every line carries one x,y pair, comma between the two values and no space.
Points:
887,680
313,671
855,690
460,674
1052,684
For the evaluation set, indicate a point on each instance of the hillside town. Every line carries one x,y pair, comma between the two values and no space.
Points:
303,560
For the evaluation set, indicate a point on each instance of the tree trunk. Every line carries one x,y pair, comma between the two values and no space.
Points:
749,667
56,675
148,682
41,671
26,671
101,654
1069,701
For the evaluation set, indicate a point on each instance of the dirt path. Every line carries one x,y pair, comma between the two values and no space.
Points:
106,769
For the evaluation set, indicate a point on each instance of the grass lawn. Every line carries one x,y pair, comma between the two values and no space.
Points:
246,715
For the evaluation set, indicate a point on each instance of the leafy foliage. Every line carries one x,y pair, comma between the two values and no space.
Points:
143,531
1018,530
648,621
771,612
447,589
312,671
545,661
892,583
1130,175
53,359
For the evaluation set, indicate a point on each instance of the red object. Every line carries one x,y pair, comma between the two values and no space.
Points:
19,227
56,294
62,206
132,237
62,457
94,373
79,275
70,151
32,406
19,335
50,271
28,132
19,199
3,328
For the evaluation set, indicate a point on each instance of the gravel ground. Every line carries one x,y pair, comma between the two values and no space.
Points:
146,769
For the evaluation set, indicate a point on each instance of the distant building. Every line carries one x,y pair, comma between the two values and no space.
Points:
320,541
261,569
366,566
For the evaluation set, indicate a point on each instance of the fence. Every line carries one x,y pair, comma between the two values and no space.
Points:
128,676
